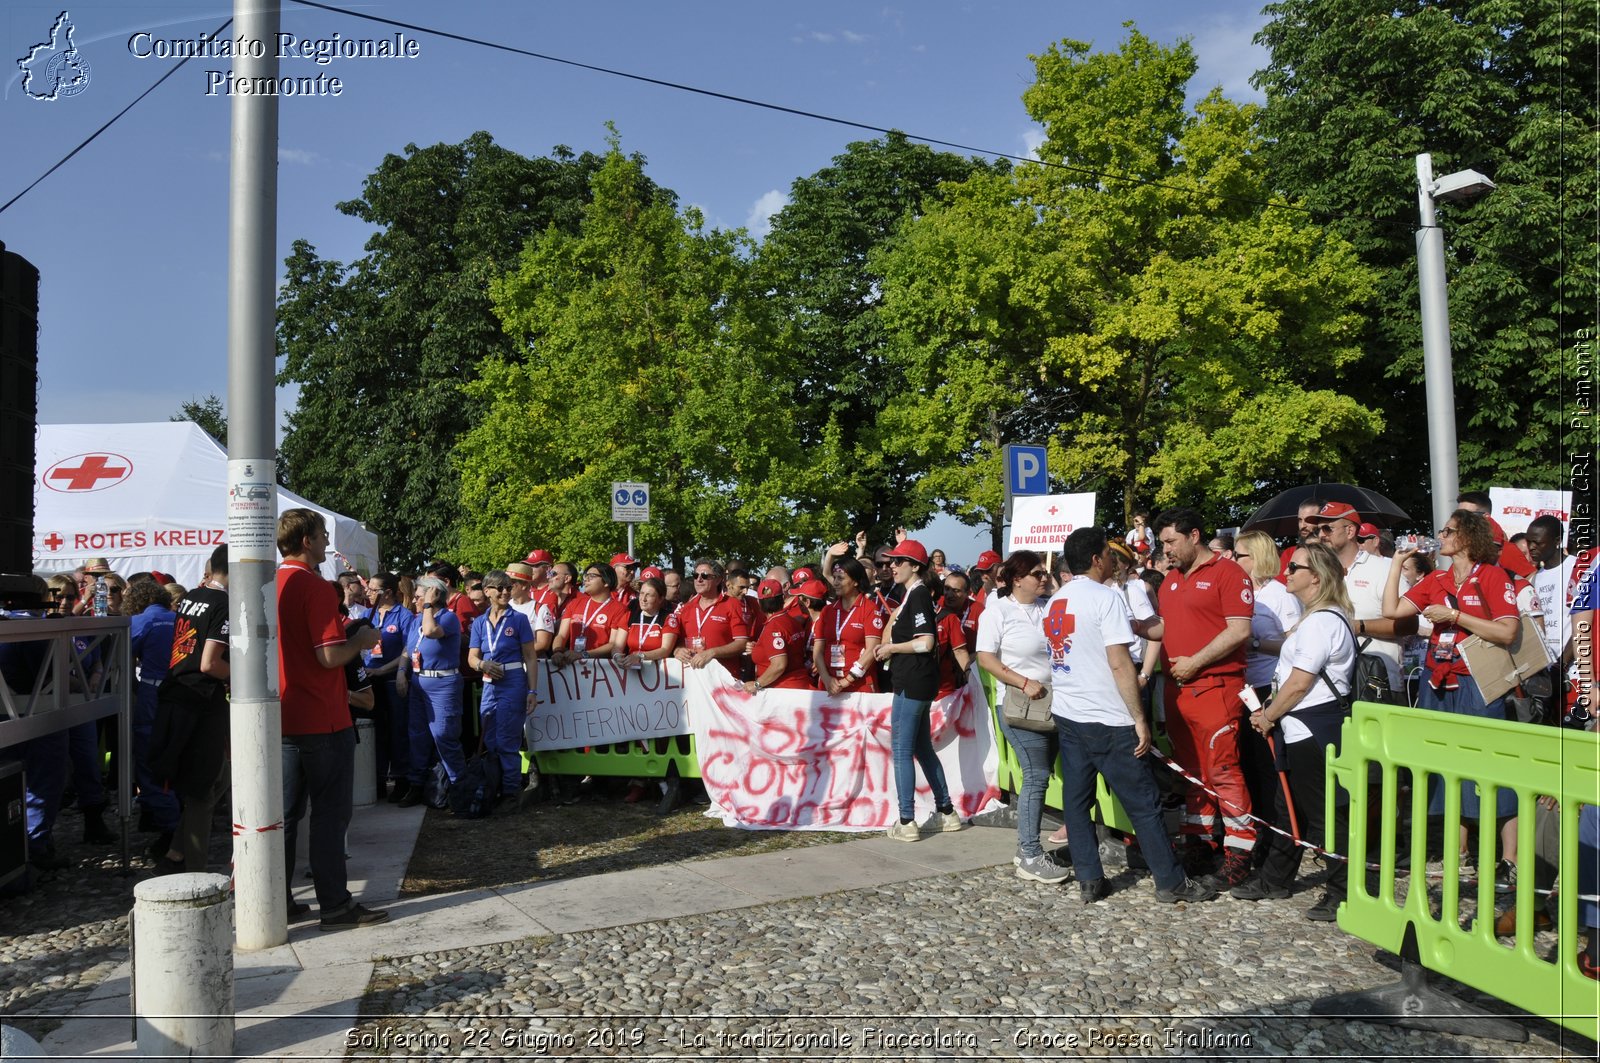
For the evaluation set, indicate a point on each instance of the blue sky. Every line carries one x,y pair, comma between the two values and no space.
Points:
131,235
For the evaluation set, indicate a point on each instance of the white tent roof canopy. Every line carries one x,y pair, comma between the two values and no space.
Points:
150,497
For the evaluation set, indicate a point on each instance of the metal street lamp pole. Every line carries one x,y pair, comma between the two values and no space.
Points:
259,895
1438,373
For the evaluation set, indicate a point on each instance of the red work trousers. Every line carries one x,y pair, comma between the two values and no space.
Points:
1203,720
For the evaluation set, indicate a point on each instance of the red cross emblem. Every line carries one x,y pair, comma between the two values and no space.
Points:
1053,511
55,542
84,472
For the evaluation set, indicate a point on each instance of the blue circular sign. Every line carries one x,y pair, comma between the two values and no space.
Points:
640,498
622,498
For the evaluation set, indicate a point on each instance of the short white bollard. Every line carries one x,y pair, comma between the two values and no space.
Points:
183,967
364,790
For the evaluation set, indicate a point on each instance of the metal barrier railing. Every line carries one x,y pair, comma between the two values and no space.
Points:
68,690
1446,930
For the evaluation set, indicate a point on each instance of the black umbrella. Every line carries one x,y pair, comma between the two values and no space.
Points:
1281,516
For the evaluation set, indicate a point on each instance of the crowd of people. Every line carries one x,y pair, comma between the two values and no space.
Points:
1243,653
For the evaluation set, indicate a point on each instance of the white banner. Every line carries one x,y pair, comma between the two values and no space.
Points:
800,760
1041,522
595,703
1515,507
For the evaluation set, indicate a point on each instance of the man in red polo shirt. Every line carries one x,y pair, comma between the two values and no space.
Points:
983,574
1204,627
319,743
713,624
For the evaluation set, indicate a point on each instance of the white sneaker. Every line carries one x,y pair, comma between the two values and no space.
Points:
941,822
904,832
1041,869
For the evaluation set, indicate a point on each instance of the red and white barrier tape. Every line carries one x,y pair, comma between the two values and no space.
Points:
1230,808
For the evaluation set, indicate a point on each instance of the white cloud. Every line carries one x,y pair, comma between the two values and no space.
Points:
298,156
854,38
822,37
760,220
1032,141
1227,56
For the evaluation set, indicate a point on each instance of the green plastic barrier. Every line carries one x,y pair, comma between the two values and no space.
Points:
645,759
1532,761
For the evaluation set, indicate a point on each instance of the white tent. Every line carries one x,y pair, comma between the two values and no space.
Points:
150,497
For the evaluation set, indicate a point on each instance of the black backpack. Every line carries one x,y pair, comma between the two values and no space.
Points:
1369,676
476,789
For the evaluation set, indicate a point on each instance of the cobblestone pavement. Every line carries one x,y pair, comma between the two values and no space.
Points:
972,965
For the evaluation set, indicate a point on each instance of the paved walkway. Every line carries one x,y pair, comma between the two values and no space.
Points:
299,1000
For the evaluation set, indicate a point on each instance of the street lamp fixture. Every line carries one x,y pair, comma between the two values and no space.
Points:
1438,375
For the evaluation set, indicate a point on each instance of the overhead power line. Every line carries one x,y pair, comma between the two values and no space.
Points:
109,122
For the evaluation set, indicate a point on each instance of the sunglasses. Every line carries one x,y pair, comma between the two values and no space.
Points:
1295,566
704,575
1039,574
474,586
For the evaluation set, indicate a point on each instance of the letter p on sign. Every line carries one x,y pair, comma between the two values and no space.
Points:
1025,468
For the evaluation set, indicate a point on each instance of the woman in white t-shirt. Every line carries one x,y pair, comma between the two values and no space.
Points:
1276,611
1012,648
1303,720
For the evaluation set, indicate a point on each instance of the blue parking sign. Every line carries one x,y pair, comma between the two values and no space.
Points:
1026,472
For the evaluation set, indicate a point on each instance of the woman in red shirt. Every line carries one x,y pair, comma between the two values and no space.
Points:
652,628
1470,597
849,629
594,624
778,654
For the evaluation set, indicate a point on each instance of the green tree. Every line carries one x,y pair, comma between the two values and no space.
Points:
208,414
1355,90
816,263
639,355
379,348
1167,335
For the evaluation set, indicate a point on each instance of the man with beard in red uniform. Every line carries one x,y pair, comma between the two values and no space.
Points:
1204,627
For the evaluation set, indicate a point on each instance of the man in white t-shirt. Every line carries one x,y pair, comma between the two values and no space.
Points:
1552,573
1364,577
1102,727
540,618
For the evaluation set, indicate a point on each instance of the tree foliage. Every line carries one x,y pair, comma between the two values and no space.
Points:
1355,90
640,353
1168,336
816,263
208,414
379,348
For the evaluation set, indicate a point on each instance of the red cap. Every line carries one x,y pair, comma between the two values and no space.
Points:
1366,531
1336,511
539,557
769,588
622,559
911,550
801,575
813,588
161,577
650,572
1497,533
986,560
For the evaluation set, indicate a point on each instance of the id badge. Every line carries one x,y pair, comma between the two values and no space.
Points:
416,660
488,677
697,644
377,651
1251,700
581,644
836,657
1444,650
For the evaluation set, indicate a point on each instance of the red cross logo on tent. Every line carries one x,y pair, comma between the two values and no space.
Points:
87,472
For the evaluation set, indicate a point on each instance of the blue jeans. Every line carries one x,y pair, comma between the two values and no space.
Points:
155,800
44,766
1090,748
436,724
1465,700
320,768
1033,749
911,737
504,708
